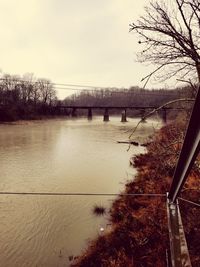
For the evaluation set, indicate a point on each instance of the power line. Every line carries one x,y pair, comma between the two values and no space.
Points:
189,201
81,194
58,84
70,86
79,85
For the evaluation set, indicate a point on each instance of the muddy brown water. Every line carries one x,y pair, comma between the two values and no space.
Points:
63,155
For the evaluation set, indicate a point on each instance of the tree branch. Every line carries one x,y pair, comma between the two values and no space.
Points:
149,114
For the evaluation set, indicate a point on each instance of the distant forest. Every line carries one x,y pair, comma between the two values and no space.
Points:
30,98
132,97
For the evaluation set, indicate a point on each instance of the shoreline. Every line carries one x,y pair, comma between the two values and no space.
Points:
39,118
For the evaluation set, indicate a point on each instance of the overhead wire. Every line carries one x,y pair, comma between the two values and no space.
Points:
190,202
72,87
81,194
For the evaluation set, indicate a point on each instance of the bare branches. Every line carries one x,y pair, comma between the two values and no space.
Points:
181,65
149,114
195,89
170,36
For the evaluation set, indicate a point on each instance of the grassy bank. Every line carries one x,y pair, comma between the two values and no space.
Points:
139,232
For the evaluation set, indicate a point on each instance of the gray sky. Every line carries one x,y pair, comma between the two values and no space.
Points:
72,41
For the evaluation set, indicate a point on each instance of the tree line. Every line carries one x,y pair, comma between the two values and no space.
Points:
25,97
132,97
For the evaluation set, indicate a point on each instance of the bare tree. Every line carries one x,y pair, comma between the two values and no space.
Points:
45,87
170,33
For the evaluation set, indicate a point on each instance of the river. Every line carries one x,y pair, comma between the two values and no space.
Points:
61,155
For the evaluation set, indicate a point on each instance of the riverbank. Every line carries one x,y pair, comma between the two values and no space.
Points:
139,230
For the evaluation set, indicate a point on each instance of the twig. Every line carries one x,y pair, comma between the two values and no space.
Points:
128,142
157,109
190,83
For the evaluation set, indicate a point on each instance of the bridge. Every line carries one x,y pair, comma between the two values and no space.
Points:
73,110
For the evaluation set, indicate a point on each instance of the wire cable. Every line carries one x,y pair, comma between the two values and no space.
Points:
81,194
189,201
70,86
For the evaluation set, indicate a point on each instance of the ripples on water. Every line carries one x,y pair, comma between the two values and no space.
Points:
59,156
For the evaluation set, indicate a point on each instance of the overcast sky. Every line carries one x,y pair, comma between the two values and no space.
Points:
72,41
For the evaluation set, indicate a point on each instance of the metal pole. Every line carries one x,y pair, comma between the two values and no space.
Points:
174,237
178,246
189,152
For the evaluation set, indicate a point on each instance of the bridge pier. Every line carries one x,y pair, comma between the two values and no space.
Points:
74,113
89,114
142,112
106,115
123,118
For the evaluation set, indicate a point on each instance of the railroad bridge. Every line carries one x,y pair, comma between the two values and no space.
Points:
123,110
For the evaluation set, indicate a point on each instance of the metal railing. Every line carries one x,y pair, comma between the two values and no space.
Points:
188,154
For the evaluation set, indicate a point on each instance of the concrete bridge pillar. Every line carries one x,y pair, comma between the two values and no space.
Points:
123,118
106,115
74,112
142,112
89,114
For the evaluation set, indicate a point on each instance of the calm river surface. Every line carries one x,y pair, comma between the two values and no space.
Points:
61,155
